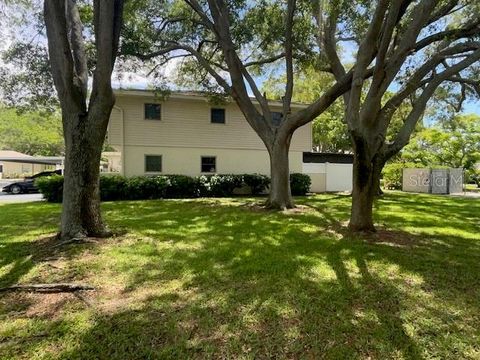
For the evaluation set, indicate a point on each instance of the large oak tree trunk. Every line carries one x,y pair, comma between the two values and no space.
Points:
81,214
280,195
361,218
85,119
366,183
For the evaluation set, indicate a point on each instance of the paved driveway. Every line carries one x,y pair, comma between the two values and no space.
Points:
8,198
470,194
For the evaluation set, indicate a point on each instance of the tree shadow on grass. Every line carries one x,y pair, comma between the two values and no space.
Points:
22,250
253,285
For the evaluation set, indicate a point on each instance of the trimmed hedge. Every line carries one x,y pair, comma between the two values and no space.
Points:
51,187
116,187
300,184
257,183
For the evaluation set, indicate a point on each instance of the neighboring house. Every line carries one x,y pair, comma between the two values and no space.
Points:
111,162
186,134
14,164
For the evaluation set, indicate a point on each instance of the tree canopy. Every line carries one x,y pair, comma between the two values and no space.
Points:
454,143
32,133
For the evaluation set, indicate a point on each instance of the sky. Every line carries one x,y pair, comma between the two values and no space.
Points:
472,107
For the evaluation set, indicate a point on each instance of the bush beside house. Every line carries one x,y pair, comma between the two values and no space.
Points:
299,184
116,187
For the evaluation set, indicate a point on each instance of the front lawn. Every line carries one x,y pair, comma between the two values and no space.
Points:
221,278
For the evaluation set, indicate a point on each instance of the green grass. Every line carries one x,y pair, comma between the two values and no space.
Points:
219,278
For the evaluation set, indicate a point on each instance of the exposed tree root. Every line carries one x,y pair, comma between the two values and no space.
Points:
279,206
48,288
78,240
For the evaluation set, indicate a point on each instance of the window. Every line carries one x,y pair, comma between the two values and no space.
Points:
1,168
209,164
153,112
153,163
277,118
217,116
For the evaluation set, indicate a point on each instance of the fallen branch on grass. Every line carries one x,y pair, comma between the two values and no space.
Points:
48,288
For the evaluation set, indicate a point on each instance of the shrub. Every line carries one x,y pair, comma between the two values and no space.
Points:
116,187
146,187
258,183
392,176
181,186
51,187
218,185
299,184
473,177
223,185
113,187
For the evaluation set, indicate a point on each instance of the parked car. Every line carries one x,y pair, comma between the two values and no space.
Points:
28,184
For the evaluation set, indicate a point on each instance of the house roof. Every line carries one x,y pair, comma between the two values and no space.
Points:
18,157
190,95
13,154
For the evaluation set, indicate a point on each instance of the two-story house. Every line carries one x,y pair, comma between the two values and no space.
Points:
186,134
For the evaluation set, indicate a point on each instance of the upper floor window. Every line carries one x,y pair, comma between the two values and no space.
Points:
217,116
209,164
277,118
153,163
153,112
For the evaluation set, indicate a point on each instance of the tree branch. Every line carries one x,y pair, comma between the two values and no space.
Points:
195,5
326,39
475,84
469,29
77,45
403,135
415,81
306,115
59,51
238,72
366,52
287,99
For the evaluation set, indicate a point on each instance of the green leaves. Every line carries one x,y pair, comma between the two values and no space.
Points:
455,143
26,81
32,133
329,130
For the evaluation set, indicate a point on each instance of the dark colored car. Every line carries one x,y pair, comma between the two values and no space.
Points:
28,184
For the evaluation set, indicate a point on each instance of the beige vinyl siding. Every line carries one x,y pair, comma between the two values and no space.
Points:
187,160
114,134
18,170
186,123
